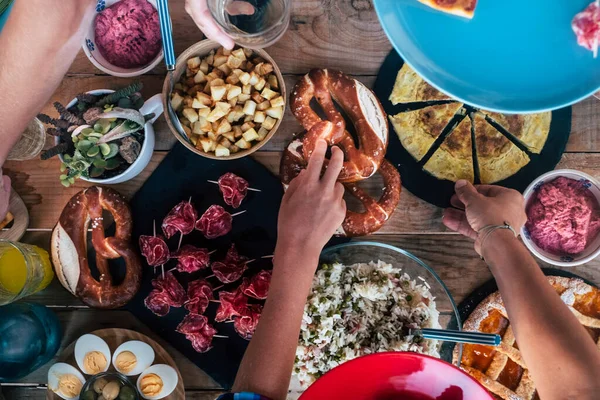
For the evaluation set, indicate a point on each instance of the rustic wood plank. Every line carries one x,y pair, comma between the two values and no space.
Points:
78,322
322,34
37,183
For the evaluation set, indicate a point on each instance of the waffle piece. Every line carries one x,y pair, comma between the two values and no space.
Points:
502,369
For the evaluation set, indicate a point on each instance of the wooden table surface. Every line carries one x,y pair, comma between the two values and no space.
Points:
343,34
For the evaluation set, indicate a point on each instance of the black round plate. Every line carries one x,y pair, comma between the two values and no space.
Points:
438,192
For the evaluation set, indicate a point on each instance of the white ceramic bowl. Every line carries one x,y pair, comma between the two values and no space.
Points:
152,105
592,250
91,49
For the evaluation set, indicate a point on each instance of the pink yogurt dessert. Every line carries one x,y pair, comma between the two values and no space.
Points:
563,216
128,33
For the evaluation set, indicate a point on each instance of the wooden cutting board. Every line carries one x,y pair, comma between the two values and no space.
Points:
114,338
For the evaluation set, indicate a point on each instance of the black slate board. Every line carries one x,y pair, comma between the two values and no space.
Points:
183,174
438,192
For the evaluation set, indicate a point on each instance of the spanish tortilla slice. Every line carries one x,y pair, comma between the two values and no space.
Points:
418,129
462,8
454,159
531,129
410,87
497,157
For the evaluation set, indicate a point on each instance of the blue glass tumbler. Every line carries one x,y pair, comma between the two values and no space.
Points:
30,336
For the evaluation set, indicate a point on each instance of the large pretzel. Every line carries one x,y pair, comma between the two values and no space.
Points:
70,252
360,105
376,213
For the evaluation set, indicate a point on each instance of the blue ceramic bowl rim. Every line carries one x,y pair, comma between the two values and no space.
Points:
561,104
412,257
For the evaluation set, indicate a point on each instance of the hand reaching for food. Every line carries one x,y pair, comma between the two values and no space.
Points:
482,205
313,207
198,10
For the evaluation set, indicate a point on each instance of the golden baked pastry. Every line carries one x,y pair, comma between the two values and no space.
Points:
454,158
497,157
410,87
531,129
501,369
418,129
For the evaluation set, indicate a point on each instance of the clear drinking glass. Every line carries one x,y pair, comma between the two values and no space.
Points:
24,270
269,22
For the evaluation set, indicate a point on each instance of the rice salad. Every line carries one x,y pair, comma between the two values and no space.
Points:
362,309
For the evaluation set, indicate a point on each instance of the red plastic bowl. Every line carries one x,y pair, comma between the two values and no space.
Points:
396,376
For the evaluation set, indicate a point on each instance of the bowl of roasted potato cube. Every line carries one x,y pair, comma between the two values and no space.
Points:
228,103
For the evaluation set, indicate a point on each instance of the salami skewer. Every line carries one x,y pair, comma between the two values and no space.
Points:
215,222
249,188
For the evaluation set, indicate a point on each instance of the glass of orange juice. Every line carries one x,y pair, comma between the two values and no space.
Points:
24,270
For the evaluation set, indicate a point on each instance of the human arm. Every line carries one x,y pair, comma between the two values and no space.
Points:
198,10
555,346
37,45
311,210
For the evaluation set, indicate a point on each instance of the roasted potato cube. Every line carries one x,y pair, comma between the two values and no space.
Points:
234,149
237,131
269,123
240,53
224,126
194,139
254,78
190,114
232,79
242,98
219,60
262,133
226,52
259,117
207,145
176,101
233,62
247,126
222,151
218,112
277,102
187,130
230,136
225,69
212,75
205,125
219,51
218,92
247,89
250,135
275,112
210,58
245,78
243,144
268,94
207,89
198,104
193,62
204,98
200,77
212,136
185,122
225,142
232,102
204,66
272,79
264,105
217,82
197,128
248,118
195,89
261,84
238,72
203,112
249,107
234,92
256,97
188,101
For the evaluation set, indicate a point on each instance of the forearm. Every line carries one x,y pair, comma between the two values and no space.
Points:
555,347
268,362
37,46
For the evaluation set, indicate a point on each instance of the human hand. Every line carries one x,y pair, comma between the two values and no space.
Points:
313,207
4,195
198,10
482,205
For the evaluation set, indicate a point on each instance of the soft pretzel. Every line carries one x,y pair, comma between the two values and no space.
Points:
70,253
376,213
362,108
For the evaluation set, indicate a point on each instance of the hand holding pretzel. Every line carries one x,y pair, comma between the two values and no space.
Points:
69,248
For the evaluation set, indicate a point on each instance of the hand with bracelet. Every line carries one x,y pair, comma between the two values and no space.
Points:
554,345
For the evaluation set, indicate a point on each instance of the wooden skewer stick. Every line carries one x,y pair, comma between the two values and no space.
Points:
250,188
162,267
221,336
217,288
228,322
238,213
215,301
210,276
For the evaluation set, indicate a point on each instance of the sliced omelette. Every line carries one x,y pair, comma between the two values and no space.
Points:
497,157
454,159
418,129
410,87
531,129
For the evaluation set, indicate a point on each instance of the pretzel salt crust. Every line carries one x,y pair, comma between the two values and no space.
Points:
70,252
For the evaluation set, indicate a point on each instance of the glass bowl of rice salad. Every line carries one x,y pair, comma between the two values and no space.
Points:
364,298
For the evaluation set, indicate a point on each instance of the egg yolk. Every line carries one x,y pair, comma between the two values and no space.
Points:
94,362
69,385
151,385
126,361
